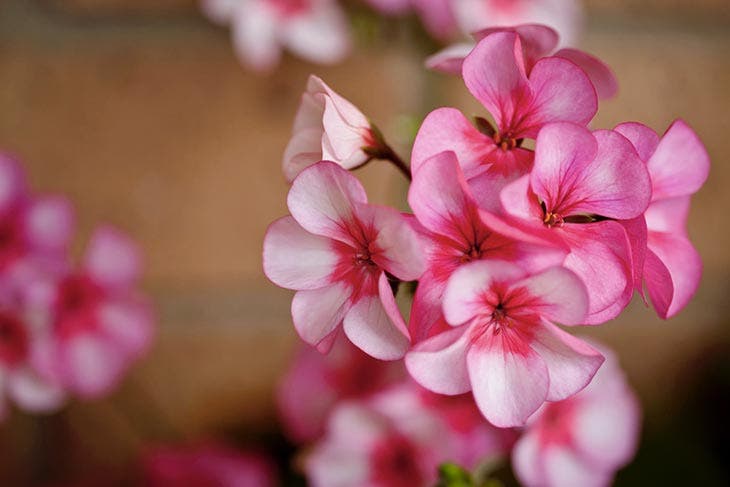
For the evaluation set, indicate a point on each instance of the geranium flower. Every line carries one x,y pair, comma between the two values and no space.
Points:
503,345
335,250
678,165
581,187
315,30
583,440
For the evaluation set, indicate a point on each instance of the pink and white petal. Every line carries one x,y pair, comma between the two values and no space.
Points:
92,365
446,129
13,187
321,36
527,460
219,11
322,197
518,201
33,394
658,281
255,38
317,312
50,223
426,316
129,324
565,468
668,215
401,248
464,294
390,306
644,139
510,381
357,424
368,325
680,164
293,258
439,363
603,79
341,142
450,59
558,295
347,111
561,92
571,363
494,74
684,264
112,259
303,150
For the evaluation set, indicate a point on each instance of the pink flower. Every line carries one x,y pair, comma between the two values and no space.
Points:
458,232
437,15
96,325
504,345
584,439
678,165
314,383
521,100
206,465
335,251
327,127
565,16
582,187
316,30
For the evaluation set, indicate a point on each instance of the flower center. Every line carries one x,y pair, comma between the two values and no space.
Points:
505,142
552,220
474,252
395,464
13,340
76,304
289,8
499,319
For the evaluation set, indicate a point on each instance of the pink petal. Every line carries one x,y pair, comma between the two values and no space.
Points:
254,31
129,324
510,381
320,36
219,11
296,259
50,223
12,182
636,232
426,316
402,249
303,150
322,197
519,201
33,394
439,363
437,16
644,139
538,40
527,459
368,325
342,142
684,265
387,299
680,164
571,363
563,467
668,215
560,295
92,365
112,259
658,283
599,73
317,312
464,294
450,59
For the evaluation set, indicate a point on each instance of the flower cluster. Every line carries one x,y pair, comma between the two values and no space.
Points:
318,31
64,329
516,227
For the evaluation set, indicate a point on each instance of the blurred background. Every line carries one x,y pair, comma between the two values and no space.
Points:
139,111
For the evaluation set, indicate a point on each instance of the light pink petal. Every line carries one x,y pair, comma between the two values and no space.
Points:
644,139
658,283
464,294
437,16
538,40
342,142
426,315
112,259
439,363
527,459
494,75
559,295
50,223
499,168
320,36
571,363
296,259
322,197
33,394
401,247
346,110
317,312
636,232
668,215
12,182
255,38
92,365
303,150
563,467
519,201
510,381
684,265
680,164
450,59
390,306
129,324
599,73
369,327
219,11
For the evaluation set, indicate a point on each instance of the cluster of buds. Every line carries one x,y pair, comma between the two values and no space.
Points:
516,229
65,329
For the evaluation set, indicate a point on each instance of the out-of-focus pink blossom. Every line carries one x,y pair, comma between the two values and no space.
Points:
503,345
206,465
521,100
457,232
314,383
582,187
96,323
315,30
335,250
583,440
565,16
399,438
328,127
678,165
437,15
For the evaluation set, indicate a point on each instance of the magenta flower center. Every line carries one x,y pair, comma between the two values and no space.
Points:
77,303
13,340
394,462
12,244
290,8
505,142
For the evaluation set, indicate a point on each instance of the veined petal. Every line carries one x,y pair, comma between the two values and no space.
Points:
303,150
439,363
368,326
599,73
317,312
668,215
644,139
426,315
684,265
557,294
658,281
401,249
390,306
296,259
518,200
538,40
450,59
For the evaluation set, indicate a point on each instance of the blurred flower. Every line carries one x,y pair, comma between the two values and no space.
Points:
678,165
335,251
206,465
327,127
315,30
96,324
503,344
437,15
314,383
583,440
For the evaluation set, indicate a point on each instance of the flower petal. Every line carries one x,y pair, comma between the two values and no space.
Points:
439,363
538,40
50,223
303,150
112,259
33,394
644,139
559,295
527,459
599,73
369,327
684,265
450,59
565,468
401,247
254,32
317,312
320,36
